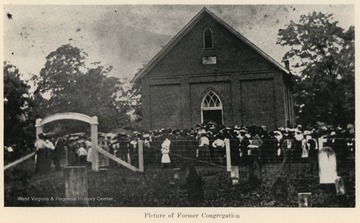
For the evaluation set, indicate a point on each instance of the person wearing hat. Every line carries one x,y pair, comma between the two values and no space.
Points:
176,134
133,150
237,129
322,136
165,150
287,148
59,148
300,152
88,145
43,158
311,145
244,143
279,138
82,153
123,147
103,144
255,142
149,155
9,153
219,148
268,148
72,155
203,148
339,145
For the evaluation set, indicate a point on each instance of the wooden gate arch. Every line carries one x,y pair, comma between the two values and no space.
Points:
93,121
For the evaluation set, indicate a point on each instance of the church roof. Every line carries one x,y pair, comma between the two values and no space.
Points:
168,47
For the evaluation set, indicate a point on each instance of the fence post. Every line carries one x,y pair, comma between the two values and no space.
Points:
76,188
39,129
141,155
94,144
228,158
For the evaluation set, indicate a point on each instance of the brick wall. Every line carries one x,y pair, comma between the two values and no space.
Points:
165,106
250,87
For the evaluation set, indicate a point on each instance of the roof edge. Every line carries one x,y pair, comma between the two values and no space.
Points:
248,42
169,45
183,32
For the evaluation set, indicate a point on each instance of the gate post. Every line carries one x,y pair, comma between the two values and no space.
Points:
94,143
66,156
39,127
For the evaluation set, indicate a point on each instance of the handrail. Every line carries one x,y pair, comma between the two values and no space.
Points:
19,160
116,159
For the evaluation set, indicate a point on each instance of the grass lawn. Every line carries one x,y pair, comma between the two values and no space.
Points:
119,187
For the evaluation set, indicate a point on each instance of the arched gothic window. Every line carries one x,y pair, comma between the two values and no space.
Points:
211,102
211,108
208,39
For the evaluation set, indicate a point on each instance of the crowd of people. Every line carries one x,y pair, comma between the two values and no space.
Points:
206,143
285,145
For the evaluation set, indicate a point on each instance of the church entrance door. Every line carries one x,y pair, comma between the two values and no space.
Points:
212,115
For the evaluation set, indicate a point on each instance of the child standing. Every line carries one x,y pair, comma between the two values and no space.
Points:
165,150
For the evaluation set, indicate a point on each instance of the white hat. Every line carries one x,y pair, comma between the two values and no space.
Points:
202,131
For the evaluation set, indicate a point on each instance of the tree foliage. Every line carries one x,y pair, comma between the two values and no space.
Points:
130,96
17,104
324,57
66,84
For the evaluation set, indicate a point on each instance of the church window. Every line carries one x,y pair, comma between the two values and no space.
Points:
211,109
211,101
208,39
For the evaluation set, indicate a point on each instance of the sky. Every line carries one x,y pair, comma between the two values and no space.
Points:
128,36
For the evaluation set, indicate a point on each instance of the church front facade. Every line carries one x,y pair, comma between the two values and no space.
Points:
210,72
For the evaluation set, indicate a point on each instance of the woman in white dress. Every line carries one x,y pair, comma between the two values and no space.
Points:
165,150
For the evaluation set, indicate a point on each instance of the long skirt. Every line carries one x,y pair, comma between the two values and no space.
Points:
165,158
89,156
43,161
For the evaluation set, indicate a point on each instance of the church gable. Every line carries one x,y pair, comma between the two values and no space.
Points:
208,45
227,54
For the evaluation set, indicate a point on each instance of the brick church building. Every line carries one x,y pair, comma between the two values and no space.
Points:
210,72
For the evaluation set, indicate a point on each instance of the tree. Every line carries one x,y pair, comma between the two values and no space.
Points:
66,84
58,78
129,95
323,54
16,105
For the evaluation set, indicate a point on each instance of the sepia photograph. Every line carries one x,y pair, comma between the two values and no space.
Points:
179,106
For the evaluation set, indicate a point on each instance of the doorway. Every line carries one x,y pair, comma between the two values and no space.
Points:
212,116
